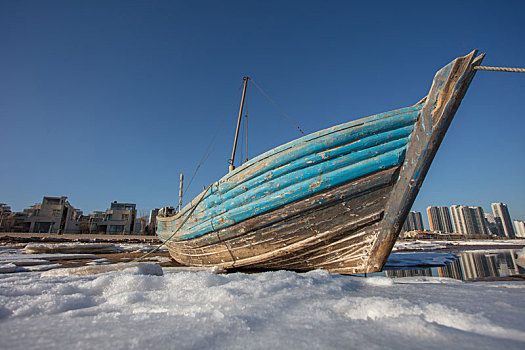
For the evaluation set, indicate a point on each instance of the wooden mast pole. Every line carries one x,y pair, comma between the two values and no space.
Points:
239,122
180,191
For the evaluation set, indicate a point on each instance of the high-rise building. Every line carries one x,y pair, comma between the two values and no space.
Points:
493,225
439,219
520,228
458,219
469,220
478,221
446,220
501,211
413,222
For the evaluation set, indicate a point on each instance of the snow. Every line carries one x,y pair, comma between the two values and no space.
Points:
132,309
418,245
436,244
492,243
23,259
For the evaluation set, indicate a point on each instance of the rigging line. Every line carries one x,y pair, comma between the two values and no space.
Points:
275,104
178,228
208,151
246,122
241,133
501,69
245,131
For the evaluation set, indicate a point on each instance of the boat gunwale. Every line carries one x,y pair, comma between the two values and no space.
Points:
215,187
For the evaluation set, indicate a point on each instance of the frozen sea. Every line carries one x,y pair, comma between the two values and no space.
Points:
144,307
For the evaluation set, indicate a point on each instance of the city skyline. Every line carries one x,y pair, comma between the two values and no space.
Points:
462,219
117,110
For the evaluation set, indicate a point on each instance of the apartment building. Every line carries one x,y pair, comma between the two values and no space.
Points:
469,220
119,219
413,222
502,216
53,215
439,219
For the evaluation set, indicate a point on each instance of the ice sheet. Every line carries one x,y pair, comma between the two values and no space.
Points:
272,310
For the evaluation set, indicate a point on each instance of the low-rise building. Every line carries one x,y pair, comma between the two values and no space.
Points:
11,221
152,221
141,225
119,219
53,215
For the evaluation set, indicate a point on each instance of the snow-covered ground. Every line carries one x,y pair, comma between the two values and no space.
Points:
40,256
132,309
144,306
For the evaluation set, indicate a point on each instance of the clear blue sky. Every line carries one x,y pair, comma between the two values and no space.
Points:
111,100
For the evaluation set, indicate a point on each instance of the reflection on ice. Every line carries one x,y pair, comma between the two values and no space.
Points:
470,265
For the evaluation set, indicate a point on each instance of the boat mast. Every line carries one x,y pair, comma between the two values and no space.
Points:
180,191
232,167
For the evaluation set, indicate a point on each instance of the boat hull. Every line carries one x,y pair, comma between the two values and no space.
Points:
333,200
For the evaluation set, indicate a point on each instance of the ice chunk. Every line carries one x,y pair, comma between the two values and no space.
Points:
379,281
419,259
21,258
101,261
159,259
141,268
418,245
36,248
214,269
34,268
20,261
7,268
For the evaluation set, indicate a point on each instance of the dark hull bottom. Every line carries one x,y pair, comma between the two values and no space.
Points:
334,230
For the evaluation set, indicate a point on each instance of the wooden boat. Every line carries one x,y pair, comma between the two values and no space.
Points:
335,199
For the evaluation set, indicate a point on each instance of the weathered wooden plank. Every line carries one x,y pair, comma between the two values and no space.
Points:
344,192
447,91
298,230
295,191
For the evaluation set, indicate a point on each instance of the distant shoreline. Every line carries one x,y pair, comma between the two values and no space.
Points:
14,237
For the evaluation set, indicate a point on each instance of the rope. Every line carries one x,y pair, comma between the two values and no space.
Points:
177,230
275,104
241,145
208,151
501,69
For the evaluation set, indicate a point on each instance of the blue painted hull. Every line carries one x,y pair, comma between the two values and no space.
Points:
265,190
